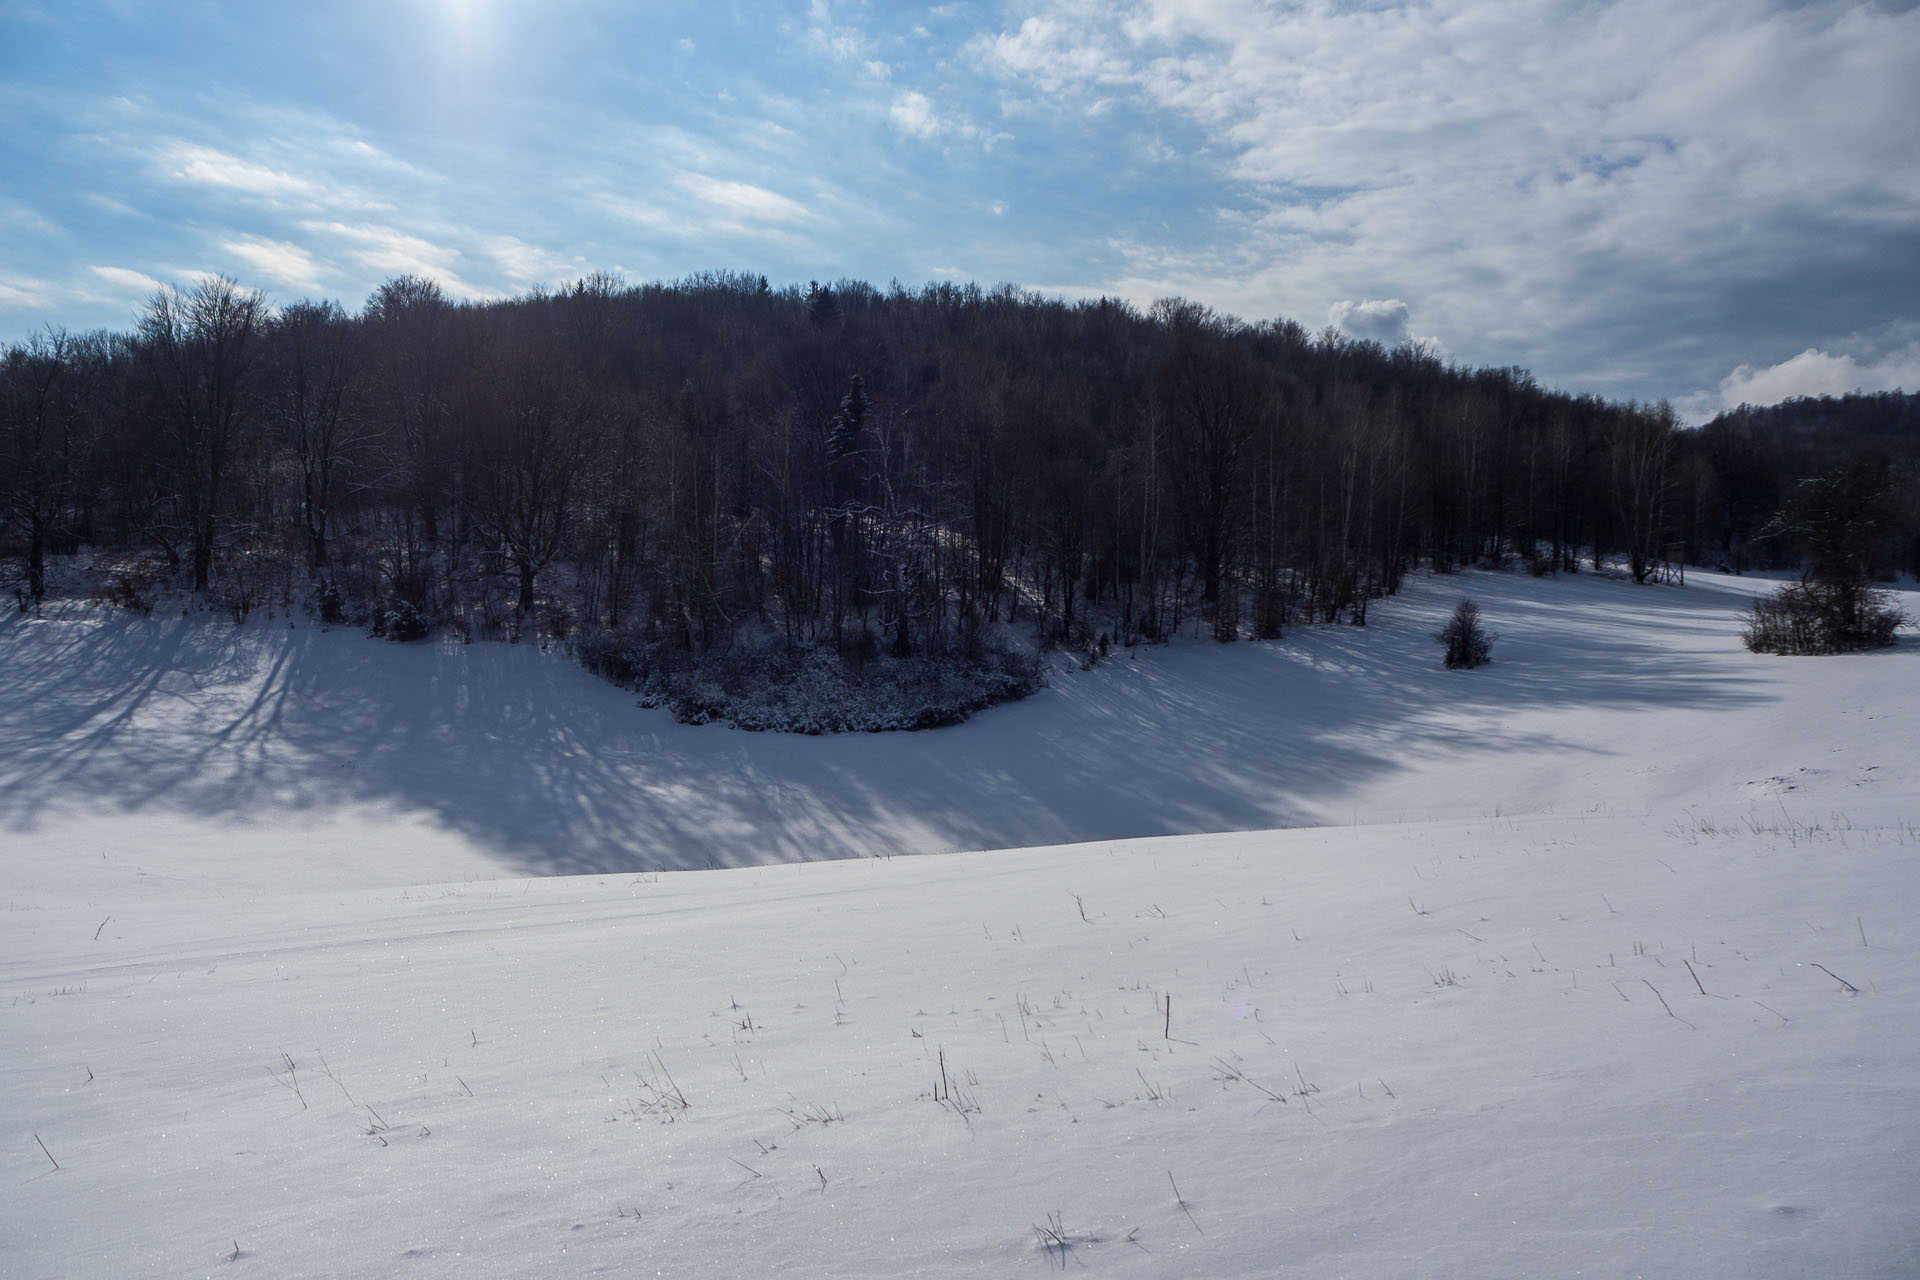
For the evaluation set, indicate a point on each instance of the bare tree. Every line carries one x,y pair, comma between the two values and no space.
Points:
1640,447
202,350
42,437
1207,391
535,434
317,371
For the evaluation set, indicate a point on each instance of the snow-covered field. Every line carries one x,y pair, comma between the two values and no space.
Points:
325,957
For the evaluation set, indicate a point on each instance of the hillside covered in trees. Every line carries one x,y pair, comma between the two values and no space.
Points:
701,483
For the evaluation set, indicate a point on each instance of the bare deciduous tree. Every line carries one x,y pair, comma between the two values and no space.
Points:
202,348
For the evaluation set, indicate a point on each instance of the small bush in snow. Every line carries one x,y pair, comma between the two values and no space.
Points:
1821,617
1468,644
329,605
811,690
402,622
129,591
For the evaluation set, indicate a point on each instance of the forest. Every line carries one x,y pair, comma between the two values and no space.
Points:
710,487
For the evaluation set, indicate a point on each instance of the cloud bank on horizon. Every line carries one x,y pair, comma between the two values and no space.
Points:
1708,204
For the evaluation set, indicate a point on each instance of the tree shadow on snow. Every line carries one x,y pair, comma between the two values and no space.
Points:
559,773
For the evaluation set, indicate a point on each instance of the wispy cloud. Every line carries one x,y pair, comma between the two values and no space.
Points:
125,280
17,217
524,264
361,149
914,114
843,42
23,292
746,202
638,212
276,260
206,166
389,251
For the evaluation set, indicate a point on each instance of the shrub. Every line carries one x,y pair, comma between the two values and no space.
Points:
1821,617
329,604
129,591
402,622
1468,644
767,685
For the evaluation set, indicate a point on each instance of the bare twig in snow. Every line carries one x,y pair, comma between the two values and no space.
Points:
1664,1005
1836,977
1182,1201
292,1082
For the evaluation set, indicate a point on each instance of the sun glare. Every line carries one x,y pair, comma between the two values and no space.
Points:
464,48
465,25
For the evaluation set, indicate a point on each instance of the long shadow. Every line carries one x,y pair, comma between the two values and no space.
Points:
558,773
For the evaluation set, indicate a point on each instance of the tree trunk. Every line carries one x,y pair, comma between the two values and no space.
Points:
202,553
37,563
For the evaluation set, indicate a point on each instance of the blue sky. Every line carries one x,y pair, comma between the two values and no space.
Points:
1705,203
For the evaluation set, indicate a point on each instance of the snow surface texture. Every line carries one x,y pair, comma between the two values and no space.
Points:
1600,960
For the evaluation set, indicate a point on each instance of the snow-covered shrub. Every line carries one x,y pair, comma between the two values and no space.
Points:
556,619
328,604
401,622
614,656
766,685
130,591
1468,644
1821,617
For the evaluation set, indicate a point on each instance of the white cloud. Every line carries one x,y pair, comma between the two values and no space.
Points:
744,200
1815,372
277,260
640,214
119,208
914,114
204,166
525,264
389,252
841,43
696,208
126,280
1533,179
360,149
298,159
1383,321
21,217
22,291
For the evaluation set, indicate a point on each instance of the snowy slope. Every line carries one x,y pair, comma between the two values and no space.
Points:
1543,995
489,757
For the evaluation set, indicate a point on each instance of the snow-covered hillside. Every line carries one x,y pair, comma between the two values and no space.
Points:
1601,960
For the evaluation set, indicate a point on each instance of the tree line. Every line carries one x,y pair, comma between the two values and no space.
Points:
687,466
